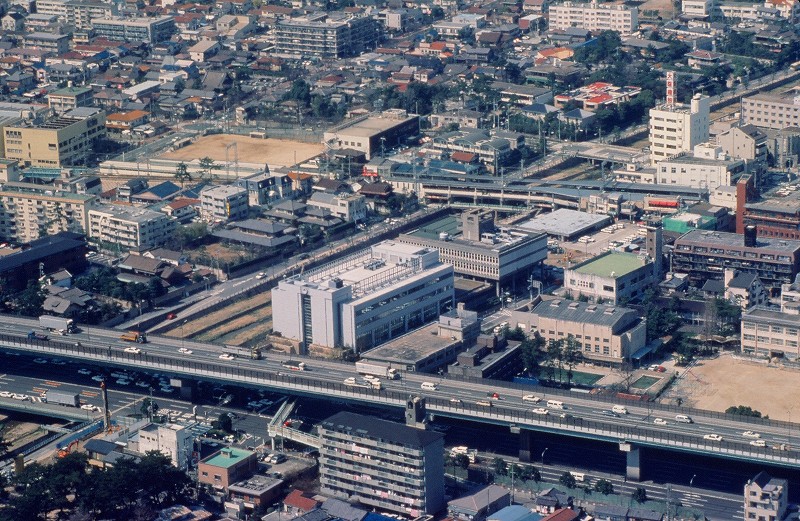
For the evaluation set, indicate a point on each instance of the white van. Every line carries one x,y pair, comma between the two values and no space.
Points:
619,409
555,404
579,476
428,386
682,418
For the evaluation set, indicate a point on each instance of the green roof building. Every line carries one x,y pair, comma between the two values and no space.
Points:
610,277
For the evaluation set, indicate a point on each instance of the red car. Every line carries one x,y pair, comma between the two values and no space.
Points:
171,316
661,369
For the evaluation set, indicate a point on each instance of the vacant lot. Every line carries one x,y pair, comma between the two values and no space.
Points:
245,322
273,152
725,381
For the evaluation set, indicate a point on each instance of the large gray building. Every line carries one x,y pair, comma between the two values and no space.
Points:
771,110
478,251
705,255
382,464
149,30
364,299
326,35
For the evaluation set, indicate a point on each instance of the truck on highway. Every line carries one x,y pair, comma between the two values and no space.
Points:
35,335
63,398
294,365
59,324
134,336
366,384
377,369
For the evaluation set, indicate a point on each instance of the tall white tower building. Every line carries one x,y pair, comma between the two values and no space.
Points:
676,128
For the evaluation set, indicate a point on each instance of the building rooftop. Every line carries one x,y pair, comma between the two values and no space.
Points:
255,485
772,316
583,312
71,91
14,189
411,347
370,269
372,126
564,222
129,213
711,239
789,204
449,225
228,457
610,264
386,431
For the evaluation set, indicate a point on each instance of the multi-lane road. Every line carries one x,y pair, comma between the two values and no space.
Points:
583,415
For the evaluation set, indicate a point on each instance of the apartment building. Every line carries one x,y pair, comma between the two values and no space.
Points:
605,334
705,255
78,13
699,172
595,17
374,135
326,35
364,299
478,250
766,498
148,30
775,217
172,440
68,98
130,227
596,96
771,110
223,203
348,207
676,128
388,466
29,211
610,277
53,43
65,140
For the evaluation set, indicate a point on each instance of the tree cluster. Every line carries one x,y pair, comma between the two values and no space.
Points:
743,410
104,281
128,490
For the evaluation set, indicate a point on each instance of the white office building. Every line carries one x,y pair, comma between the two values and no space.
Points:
595,17
172,440
676,128
364,299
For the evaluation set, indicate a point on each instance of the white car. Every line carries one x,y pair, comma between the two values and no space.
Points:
712,437
90,407
261,275
456,401
660,421
98,378
39,361
123,381
226,356
166,390
134,350
531,398
84,372
142,384
758,443
751,434
5,394
21,397
541,411
185,351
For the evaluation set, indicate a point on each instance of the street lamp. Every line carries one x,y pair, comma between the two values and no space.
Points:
691,481
543,452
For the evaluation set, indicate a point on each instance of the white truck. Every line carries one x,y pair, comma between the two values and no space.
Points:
377,369
63,398
366,384
57,324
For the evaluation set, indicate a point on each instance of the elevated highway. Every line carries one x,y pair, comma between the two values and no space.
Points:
584,415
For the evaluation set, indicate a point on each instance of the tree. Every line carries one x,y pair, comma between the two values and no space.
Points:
604,486
224,423
162,483
182,173
567,479
30,301
743,410
461,461
532,354
639,495
149,407
207,165
500,466
530,473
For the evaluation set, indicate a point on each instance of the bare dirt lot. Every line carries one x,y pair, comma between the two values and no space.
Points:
725,381
274,152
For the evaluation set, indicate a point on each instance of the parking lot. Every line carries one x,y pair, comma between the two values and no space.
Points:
596,243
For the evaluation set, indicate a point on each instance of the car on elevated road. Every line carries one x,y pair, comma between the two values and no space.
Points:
758,443
751,434
712,437
660,421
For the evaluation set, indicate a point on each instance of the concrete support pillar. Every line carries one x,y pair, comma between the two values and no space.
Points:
633,466
525,443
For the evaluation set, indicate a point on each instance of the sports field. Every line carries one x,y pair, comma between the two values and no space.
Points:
273,152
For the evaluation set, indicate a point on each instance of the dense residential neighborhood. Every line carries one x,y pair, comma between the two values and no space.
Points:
366,260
